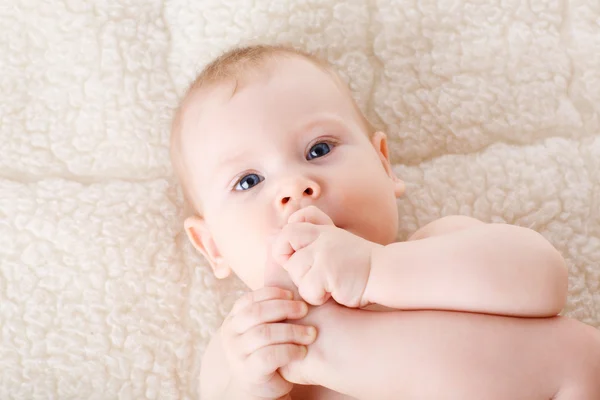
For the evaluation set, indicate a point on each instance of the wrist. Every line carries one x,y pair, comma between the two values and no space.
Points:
369,295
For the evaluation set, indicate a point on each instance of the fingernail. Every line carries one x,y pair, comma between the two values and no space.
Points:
310,331
289,295
303,307
303,350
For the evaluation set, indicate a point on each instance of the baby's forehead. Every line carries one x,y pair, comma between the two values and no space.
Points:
219,104
239,105
284,66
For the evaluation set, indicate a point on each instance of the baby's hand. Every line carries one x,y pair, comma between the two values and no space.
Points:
324,260
307,370
256,346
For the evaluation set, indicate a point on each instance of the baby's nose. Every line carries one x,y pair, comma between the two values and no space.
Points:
299,190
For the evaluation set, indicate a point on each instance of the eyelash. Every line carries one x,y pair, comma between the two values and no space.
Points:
331,142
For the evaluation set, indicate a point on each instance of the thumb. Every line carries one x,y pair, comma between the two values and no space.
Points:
276,276
311,214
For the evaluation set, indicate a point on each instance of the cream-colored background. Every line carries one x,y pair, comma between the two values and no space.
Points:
493,109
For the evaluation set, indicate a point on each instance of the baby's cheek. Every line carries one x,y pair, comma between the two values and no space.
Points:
249,257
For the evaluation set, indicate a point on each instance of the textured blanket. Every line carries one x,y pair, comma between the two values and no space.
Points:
492,108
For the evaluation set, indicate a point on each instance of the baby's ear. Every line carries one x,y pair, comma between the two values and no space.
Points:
379,142
202,240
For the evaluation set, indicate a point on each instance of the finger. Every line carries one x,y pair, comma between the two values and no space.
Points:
266,312
313,289
268,359
311,214
280,333
299,264
293,237
276,276
266,293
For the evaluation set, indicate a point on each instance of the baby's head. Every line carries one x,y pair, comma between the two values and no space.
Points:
263,132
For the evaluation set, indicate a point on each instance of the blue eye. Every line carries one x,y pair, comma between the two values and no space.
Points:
248,182
318,150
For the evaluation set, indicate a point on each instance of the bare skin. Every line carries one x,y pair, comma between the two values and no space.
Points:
364,354
441,355
447,355
292,139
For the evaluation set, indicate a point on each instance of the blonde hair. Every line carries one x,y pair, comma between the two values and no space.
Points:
237,65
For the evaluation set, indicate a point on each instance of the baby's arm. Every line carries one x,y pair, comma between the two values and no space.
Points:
462,266
449,355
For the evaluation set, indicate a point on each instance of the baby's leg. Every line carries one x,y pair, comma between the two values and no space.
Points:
582,379
448,355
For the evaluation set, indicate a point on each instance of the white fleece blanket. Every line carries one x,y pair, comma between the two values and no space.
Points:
493,110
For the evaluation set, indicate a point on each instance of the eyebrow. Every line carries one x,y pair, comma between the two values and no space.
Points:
231,159
320,119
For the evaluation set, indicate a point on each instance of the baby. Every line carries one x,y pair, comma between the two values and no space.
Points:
293,191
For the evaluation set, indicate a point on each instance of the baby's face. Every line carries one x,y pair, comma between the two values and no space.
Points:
289,139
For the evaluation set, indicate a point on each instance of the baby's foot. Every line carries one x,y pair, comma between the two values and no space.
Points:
308,370
305,371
